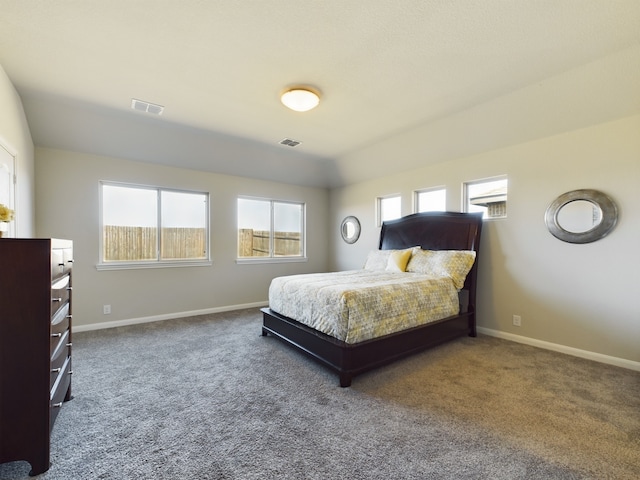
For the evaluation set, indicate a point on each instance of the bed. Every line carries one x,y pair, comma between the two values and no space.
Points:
431,233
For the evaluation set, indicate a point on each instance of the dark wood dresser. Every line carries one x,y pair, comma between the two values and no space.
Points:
35,345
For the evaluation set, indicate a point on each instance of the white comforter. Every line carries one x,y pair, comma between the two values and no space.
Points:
359,305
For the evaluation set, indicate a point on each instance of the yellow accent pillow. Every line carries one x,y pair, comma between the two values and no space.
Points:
391,260
398,260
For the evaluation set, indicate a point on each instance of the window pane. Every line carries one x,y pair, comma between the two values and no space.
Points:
390,208
487,196
144,224
184,225
287,224
254,226
126,206
432,200
129,220
268,228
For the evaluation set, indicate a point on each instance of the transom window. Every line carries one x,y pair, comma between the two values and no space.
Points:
389,208
488,196
148,226
431,200
270,229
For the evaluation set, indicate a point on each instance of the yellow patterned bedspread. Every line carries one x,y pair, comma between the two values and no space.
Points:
359,305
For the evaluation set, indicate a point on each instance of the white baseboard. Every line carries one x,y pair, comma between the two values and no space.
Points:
168,316
576,352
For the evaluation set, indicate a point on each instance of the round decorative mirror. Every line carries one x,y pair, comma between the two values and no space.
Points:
581,216
350,229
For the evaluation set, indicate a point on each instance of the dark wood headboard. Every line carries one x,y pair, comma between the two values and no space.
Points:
433,231
437,231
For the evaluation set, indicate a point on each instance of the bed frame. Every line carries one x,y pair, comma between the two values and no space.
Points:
432,231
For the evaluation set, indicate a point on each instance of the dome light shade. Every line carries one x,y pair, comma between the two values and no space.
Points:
300,99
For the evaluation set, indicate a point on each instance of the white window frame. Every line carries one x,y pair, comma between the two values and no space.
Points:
271,258
380,201
8,186
158,263
465,195
417,193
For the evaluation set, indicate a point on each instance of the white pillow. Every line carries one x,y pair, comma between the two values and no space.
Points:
377,260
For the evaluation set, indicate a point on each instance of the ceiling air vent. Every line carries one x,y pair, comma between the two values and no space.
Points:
290,143
143,106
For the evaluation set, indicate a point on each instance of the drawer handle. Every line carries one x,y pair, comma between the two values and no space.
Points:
57,405
56,335
57,299
69,288
55,370
68,316
70,261
69,344
70,372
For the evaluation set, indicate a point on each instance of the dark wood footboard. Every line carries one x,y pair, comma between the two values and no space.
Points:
349,360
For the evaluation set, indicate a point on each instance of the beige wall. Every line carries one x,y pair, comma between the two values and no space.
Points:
579,296
67,185
583,297
16,138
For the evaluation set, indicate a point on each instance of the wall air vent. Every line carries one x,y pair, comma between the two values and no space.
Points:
143,106
290,143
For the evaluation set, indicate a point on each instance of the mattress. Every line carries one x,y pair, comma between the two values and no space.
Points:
358,305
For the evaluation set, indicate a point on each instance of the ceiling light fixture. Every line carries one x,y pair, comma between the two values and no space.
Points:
300,99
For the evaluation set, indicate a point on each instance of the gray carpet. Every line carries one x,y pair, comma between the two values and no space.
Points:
208,398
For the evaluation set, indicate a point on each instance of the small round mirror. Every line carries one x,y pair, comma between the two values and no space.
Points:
581,216
350,229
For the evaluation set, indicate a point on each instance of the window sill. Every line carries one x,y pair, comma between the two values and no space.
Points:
257,260
140,265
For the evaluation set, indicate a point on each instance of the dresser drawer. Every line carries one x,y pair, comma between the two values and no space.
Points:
61,262
60,355
57,263
59,325
60,293
59,391
57,342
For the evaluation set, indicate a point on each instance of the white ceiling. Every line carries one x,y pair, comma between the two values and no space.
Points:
404,82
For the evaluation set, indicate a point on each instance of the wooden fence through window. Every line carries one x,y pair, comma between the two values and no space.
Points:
255,243
140,243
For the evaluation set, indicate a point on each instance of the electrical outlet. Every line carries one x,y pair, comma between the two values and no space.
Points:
106,309
517,320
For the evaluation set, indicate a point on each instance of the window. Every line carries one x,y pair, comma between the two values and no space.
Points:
270,229
431,200
149,226
389,208
488,196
